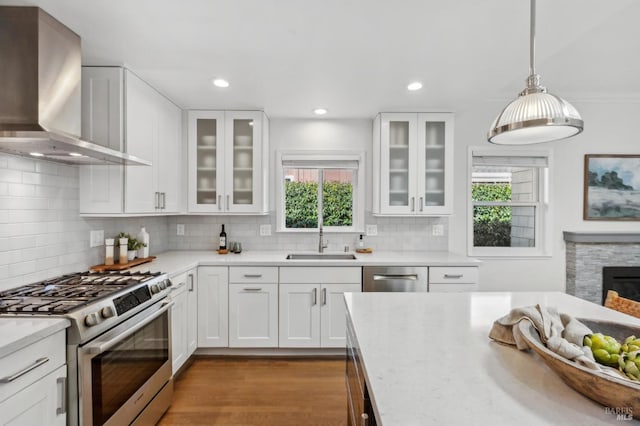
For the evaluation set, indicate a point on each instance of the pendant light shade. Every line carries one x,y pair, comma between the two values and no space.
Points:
535,116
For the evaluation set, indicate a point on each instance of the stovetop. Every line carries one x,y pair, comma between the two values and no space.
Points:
69,292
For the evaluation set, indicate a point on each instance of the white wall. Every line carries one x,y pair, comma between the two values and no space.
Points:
609,129
41,233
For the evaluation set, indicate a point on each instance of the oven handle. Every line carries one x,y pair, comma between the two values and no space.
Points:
100,347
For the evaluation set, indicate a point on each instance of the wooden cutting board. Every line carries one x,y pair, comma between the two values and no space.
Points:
122,266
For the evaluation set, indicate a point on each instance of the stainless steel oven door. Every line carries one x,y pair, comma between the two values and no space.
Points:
121,371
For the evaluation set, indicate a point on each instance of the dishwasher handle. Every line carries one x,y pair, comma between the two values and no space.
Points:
386,277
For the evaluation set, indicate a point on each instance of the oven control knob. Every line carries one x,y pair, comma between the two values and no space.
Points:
168,282
91,319
155,289
107,312
162,285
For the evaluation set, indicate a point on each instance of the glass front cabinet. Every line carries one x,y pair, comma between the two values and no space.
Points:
228,162
413,164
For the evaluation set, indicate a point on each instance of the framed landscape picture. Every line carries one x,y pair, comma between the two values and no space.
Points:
611,187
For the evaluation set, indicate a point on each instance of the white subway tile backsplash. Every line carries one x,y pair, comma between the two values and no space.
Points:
21,190
21,163
7,175
22,268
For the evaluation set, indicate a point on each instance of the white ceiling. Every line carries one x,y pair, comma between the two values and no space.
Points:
355,57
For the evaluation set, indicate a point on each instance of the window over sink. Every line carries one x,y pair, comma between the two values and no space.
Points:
320,189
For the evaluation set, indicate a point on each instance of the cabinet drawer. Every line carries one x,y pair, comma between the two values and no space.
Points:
447,275
321,275
253,274
48,354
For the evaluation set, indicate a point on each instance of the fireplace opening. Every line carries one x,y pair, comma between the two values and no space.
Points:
623,279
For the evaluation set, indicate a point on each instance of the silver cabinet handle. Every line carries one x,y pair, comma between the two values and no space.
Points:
219,202
252,275
62,409
252,288
227,201
323,296
453,275
190,276
413,204
421,204
315,296
157,195
164,200
24,371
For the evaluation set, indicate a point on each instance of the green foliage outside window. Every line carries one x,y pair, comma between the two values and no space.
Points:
301,204
491,224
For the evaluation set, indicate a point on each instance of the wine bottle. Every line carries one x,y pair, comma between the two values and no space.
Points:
223,239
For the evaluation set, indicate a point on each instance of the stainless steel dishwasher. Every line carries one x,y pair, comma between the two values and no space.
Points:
395,278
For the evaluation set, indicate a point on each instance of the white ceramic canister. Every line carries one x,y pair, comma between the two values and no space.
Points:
143,237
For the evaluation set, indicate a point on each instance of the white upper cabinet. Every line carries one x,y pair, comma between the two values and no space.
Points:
228,162
125,113
413,164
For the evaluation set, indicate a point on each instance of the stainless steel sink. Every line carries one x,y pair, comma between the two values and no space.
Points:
320,256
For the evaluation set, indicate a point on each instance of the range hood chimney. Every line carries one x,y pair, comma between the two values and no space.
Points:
40,99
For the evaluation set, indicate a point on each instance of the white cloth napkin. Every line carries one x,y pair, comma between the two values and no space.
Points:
561,333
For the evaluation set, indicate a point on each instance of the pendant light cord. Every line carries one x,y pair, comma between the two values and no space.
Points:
532,40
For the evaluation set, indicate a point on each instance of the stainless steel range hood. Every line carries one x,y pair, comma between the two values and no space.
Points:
40,99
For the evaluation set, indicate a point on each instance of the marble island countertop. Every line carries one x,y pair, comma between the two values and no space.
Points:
175,262
428,360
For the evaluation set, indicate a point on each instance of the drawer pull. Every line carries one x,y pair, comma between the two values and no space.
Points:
253,275
21,373
252,288
453,275
62,381
315,296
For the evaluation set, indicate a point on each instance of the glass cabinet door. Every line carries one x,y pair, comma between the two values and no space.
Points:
397,163
243,142
434,147
243,174
206,136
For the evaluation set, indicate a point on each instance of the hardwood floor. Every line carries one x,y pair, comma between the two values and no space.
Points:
260,391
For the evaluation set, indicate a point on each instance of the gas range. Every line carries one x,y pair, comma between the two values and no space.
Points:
93,301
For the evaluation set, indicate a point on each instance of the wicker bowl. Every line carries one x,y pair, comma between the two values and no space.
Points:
610,391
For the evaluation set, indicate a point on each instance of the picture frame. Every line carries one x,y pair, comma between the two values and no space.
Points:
611,187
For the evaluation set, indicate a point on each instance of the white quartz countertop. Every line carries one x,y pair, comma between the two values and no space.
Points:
16,333
428,360
175,262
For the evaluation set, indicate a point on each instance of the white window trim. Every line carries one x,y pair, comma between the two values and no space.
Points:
543,220
358,196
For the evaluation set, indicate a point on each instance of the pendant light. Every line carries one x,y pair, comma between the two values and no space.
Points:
535,116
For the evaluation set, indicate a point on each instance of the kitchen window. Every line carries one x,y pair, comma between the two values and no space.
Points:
320,189
509,203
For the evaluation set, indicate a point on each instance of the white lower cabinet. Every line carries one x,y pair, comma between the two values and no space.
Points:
192,312
184,318
36,395
446,279
253,307
213,306
312,310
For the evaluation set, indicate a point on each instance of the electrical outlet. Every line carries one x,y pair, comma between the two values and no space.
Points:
265,230
96,238
180,229
371,230
437,230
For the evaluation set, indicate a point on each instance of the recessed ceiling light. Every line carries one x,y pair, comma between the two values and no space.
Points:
320,111
415,86
220,82
75,154
36,154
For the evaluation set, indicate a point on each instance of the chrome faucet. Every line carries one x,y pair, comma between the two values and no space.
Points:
321,243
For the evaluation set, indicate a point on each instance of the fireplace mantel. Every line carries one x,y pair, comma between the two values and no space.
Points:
588,252
602,237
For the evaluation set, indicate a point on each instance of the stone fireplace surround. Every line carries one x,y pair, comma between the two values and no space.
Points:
588,252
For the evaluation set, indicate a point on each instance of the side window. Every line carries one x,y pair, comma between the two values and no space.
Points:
508,199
